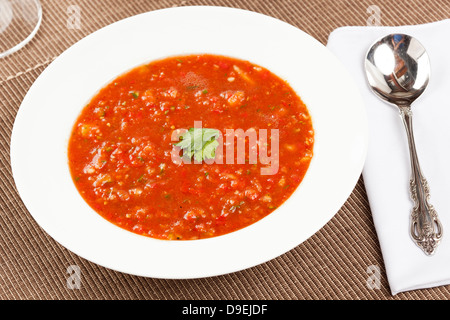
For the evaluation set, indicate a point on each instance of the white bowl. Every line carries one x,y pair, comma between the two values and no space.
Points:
49,110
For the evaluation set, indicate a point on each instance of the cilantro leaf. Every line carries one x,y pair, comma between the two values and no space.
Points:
200,143
209,149
210,133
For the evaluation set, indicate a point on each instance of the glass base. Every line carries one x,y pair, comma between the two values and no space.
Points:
19,22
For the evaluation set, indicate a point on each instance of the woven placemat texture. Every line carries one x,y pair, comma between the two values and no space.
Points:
332,264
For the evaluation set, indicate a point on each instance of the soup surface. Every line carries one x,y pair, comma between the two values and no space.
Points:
127,162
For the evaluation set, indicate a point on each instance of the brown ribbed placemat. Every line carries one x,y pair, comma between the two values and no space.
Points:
333,264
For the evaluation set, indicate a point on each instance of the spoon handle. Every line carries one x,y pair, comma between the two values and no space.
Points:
426,229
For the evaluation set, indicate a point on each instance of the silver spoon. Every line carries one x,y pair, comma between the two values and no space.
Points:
398,71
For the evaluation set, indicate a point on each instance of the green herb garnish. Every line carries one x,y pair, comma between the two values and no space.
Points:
200,143
135,94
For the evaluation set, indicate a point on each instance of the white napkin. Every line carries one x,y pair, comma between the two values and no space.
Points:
387,170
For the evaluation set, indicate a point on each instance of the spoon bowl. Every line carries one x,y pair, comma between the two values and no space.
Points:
398,68
398,71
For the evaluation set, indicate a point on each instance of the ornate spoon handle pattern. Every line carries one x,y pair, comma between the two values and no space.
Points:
426,229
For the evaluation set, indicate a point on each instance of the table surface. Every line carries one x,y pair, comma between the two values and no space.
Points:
335,263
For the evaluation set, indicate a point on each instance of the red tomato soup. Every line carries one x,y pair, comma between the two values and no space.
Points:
120,149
